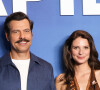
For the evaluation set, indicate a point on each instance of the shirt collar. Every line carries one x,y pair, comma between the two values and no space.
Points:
35,59
6,59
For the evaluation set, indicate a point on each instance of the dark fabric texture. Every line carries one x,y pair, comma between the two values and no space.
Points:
40,75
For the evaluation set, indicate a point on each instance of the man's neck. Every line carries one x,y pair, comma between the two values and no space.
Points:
20,56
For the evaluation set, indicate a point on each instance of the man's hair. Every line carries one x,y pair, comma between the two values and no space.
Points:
69,62
16,16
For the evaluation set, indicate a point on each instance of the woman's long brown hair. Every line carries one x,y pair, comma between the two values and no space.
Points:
68,60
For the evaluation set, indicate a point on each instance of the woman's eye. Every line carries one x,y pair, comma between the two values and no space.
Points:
86,47
75,47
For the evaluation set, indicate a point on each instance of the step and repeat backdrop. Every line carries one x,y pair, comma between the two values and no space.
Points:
54,21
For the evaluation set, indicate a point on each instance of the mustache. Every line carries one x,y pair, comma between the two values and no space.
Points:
22,40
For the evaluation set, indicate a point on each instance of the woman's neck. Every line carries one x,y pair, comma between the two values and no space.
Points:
82,69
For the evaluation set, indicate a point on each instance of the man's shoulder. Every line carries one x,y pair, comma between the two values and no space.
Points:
5,59
41,61
6,55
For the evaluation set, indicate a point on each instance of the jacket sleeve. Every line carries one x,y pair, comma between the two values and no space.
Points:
52,81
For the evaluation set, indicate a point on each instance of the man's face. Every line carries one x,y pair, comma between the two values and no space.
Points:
20,36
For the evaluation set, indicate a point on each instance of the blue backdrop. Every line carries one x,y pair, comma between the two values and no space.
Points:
51,29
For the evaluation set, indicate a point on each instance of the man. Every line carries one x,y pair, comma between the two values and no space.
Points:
19,68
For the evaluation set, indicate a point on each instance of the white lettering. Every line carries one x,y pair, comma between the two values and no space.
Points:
20,5
67,7
2,9
90,7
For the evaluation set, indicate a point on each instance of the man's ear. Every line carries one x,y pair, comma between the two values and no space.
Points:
7,37
32,34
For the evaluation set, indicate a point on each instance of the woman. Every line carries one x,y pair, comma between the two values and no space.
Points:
82,67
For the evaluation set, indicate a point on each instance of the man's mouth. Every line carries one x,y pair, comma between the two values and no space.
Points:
22,41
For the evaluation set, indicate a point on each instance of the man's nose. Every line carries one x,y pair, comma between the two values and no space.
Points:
21,35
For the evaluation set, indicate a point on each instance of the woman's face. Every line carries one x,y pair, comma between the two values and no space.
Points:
80,50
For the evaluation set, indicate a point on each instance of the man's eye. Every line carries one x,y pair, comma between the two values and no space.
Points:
27,30
15,31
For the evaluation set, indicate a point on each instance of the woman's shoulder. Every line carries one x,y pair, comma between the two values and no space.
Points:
97,75
60,82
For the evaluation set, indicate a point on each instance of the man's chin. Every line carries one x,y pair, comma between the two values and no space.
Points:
20,50
23,51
